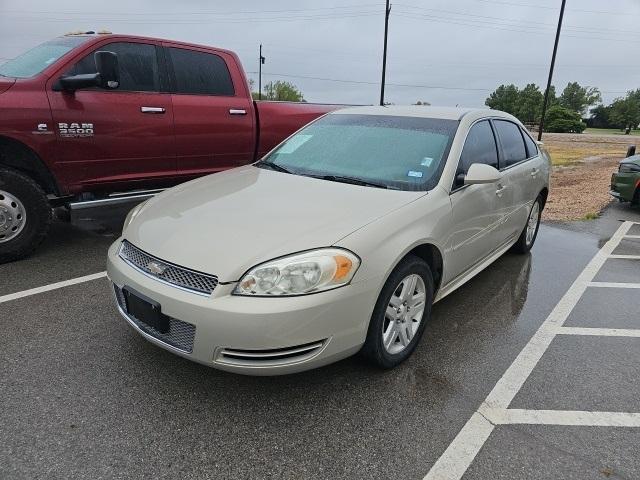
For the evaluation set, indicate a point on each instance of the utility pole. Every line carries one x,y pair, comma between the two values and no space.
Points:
260,63
553,63
387,11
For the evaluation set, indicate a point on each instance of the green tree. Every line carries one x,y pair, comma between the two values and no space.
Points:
563,120
600,117
284,91
504,98
625,112
578,98
529,108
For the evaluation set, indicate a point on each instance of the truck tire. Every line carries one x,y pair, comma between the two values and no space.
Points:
25,215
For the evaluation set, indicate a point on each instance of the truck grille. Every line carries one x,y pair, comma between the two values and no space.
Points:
180,334
167,272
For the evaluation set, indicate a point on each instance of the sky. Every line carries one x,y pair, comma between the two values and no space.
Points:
441,52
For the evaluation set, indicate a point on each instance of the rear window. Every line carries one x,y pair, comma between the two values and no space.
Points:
200,73
37,59
513,148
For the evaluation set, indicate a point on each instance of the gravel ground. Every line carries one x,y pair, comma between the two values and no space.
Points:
580,184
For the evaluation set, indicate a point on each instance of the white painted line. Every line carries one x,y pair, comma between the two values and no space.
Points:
632,236
51,286
562,417
626,257
613,285
460,453
603,332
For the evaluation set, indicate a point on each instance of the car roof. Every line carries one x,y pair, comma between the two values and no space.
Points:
424,111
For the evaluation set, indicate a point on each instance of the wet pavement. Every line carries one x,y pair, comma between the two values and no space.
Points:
83,396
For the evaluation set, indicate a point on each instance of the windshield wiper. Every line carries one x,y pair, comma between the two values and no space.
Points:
272,166
351,180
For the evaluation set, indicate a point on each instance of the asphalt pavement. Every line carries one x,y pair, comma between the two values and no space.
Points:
84,396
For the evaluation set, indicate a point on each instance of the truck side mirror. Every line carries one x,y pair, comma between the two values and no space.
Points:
107,66
105,77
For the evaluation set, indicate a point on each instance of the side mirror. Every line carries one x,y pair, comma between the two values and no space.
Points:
107,66
481,173
105,77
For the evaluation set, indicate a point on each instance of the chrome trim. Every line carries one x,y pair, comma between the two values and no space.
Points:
237,111
152,110
161,280
258,354
109,201
219,357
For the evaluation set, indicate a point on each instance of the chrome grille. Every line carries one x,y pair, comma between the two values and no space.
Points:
180,334
167,272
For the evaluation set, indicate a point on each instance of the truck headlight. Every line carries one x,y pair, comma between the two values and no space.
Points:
300,274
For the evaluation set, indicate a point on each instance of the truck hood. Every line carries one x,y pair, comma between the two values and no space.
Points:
6,83
228,222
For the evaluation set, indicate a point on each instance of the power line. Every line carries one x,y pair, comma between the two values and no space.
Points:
549,7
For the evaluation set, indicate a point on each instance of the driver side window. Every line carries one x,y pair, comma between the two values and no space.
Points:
137,66
479,147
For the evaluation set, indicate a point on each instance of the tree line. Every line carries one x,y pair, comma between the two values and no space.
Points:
567,112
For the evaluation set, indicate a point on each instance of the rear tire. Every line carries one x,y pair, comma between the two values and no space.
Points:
396,324
635,201
25,215
530,232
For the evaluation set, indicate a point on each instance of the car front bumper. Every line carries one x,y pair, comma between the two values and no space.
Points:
251,335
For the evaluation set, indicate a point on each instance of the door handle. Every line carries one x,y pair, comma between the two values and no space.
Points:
152,110
237,111
534,172
500,190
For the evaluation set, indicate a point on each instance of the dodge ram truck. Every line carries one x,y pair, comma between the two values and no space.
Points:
98,119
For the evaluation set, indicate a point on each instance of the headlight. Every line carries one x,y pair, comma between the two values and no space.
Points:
300,274
132,214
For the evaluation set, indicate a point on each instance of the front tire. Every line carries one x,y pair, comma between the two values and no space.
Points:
400,315
25,215
530,232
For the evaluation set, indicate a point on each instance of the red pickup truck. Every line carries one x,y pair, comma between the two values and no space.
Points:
84,118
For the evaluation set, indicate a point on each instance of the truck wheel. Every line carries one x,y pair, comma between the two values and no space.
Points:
636,197
25,215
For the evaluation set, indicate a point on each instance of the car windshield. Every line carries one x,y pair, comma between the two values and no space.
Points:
395,152
37,59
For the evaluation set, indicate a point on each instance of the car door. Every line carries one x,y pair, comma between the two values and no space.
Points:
121,136
478,210
213,111
518,170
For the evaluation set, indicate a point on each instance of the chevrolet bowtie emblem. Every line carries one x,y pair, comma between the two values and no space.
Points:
156,268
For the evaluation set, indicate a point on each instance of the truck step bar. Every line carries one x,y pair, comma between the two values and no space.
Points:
115,199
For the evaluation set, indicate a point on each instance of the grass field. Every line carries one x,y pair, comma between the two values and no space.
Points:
610,131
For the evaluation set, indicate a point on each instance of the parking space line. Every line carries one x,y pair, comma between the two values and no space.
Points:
632,236
613,285
502,416
603,332
457,458
51,286
626,257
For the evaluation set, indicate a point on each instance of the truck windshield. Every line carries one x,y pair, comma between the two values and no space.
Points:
400,153
37,59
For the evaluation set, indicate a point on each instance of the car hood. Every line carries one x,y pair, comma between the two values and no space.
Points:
635,159
224,224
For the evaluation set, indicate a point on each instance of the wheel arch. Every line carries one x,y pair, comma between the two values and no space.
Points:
20,157
432,255
544,194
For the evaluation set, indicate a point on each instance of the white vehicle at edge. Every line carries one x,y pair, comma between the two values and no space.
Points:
338,241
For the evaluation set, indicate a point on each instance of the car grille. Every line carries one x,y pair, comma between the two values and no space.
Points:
167,272
272,357
180,334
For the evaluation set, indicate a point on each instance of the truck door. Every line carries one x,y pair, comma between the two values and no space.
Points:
117,138
213,111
